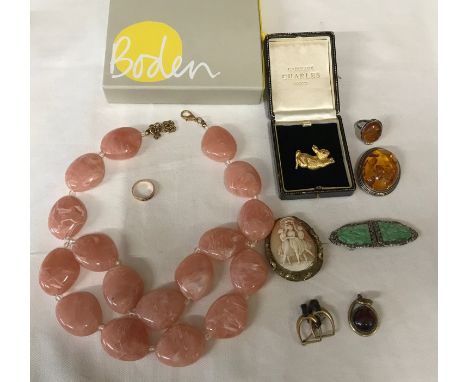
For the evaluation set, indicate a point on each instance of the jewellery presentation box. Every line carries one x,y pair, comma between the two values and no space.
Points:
183,51
304,106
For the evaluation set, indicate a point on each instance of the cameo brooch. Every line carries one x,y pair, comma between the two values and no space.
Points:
293,249
314,162
378,172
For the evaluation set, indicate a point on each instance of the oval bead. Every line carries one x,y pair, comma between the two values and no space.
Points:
221,243
180,345
79,313
122,288
67,217
241,179
227,317
121,143
160,308
59,271
255,220
194,275
249,271
218,144
85,172
96,252
125,339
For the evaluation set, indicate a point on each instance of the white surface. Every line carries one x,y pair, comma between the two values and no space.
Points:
387,64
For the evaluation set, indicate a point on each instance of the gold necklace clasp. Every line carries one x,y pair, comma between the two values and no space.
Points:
190,117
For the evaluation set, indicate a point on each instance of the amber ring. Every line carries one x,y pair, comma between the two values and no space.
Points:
143,190
368,130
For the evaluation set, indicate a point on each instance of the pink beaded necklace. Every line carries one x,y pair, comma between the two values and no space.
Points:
127,338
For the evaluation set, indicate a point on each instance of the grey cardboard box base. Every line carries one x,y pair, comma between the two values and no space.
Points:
183,96
183,51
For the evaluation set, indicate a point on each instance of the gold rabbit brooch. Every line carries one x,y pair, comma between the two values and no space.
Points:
314,162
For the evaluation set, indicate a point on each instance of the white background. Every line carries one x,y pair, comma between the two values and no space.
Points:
387,64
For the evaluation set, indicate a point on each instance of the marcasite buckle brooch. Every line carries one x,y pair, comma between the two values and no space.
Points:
317,319
373,233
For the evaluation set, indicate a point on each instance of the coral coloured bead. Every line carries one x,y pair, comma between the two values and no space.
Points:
96,252
125,339
249,271
79,313
180,345
255,220
227,316
59,271
242,179
67,217
121,143
194,275
221,243
122,288
218,144
160,308
85,172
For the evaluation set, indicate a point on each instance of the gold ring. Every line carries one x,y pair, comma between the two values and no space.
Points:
143,190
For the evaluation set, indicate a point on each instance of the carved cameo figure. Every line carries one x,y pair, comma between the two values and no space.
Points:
294,249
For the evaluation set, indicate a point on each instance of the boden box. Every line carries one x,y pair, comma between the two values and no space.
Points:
183,51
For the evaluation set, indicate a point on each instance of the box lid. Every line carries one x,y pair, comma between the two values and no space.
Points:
301,77
183,51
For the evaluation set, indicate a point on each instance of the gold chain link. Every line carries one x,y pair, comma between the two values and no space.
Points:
156,129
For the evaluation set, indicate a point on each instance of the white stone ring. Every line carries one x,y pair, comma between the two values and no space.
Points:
143,190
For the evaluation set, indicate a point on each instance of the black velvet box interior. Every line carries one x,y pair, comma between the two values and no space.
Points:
289,136
298,137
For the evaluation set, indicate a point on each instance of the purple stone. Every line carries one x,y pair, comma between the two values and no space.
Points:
364,319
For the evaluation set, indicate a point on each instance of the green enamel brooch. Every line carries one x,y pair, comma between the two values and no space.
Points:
373,233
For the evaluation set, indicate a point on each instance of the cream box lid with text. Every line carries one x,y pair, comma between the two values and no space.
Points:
183,51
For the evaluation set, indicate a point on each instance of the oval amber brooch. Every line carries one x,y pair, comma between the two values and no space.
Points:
378,172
